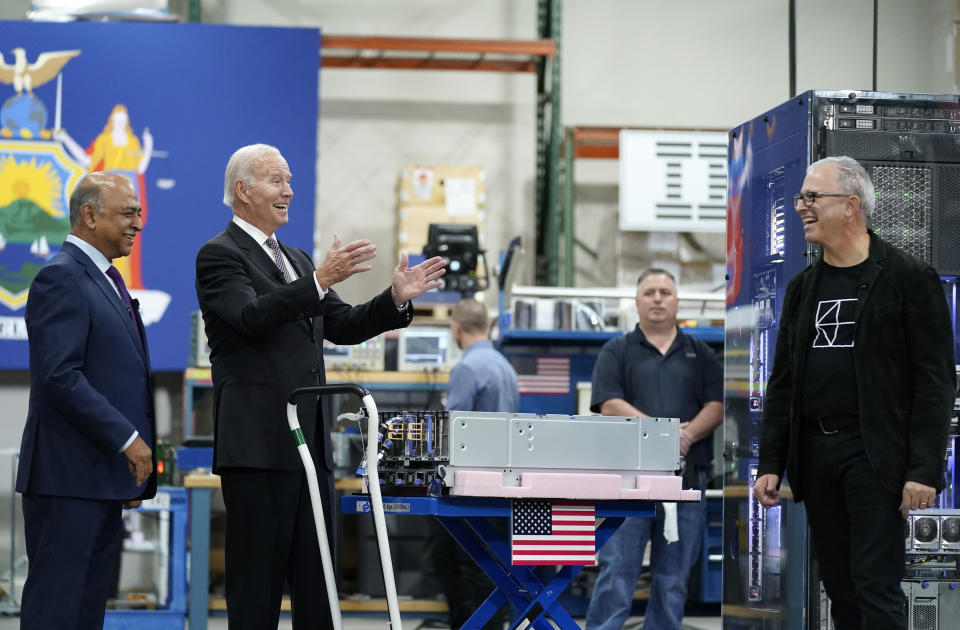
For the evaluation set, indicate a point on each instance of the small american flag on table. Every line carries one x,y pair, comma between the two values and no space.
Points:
553,532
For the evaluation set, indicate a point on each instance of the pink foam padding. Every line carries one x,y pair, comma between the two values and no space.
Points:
481,483
572,485
660,487
690,495
665,488
634,495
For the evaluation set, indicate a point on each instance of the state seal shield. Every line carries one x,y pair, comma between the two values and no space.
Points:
36,177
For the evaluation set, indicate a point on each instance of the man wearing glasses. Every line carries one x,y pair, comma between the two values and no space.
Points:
858,403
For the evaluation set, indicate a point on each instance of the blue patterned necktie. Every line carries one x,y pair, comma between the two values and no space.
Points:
278,258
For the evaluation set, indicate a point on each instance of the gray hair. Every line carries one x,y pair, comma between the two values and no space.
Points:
240,167
471,315
88,191
852,179
656,271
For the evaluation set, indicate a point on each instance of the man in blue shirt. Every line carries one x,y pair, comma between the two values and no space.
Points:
656,370
483,380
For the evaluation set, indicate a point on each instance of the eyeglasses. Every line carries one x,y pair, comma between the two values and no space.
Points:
809,198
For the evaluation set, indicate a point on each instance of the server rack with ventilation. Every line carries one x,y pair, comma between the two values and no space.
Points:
910,144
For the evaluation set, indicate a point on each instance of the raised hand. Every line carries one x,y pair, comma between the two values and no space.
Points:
412,282
341,262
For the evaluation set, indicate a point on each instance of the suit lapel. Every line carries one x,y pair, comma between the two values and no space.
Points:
254,252
141,330
109,294
297,259
303,266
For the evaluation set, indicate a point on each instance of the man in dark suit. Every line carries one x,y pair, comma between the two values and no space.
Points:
266,310
86,449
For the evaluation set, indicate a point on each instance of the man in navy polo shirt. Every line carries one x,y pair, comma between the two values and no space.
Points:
656,370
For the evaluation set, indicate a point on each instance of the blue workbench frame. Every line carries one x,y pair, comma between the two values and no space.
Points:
168,615
466,520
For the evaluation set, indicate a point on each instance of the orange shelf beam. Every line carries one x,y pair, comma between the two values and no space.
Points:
436,53
604,142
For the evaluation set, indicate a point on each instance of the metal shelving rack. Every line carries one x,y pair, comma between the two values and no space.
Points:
541,56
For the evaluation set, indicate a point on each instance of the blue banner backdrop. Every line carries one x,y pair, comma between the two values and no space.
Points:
166,104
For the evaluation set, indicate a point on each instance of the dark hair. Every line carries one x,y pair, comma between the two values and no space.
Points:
656,271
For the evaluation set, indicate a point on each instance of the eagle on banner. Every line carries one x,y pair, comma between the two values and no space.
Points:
26,76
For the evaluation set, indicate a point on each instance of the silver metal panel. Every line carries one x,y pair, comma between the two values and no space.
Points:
480,439
528,441
578,443
660,444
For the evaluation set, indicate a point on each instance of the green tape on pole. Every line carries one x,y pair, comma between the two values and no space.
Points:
298,436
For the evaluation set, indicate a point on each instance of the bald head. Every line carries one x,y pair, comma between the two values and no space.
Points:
89,191
105,212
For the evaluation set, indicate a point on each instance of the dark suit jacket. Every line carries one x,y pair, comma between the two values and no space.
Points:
266,339
903,354
90,385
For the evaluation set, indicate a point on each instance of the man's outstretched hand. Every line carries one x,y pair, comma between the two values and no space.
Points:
342,261
412,282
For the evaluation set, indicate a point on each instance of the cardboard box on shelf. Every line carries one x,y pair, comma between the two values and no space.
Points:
438,194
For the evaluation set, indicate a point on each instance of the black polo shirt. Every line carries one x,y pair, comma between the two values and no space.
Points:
673,385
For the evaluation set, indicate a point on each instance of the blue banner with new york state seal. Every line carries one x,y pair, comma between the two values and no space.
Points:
166,105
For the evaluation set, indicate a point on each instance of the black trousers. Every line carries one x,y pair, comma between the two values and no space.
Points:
271,539
857,532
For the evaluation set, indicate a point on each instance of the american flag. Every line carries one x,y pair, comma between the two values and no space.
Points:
542,375
553,532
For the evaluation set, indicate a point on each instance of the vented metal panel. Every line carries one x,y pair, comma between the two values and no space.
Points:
924,615
881,146
925,529
950,531
904,208
946,220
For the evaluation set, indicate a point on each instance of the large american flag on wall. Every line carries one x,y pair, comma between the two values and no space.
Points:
542,375
552,532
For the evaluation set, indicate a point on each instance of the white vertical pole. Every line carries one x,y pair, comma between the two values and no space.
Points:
56,115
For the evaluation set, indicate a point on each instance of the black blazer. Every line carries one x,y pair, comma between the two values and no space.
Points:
266,339
903,355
